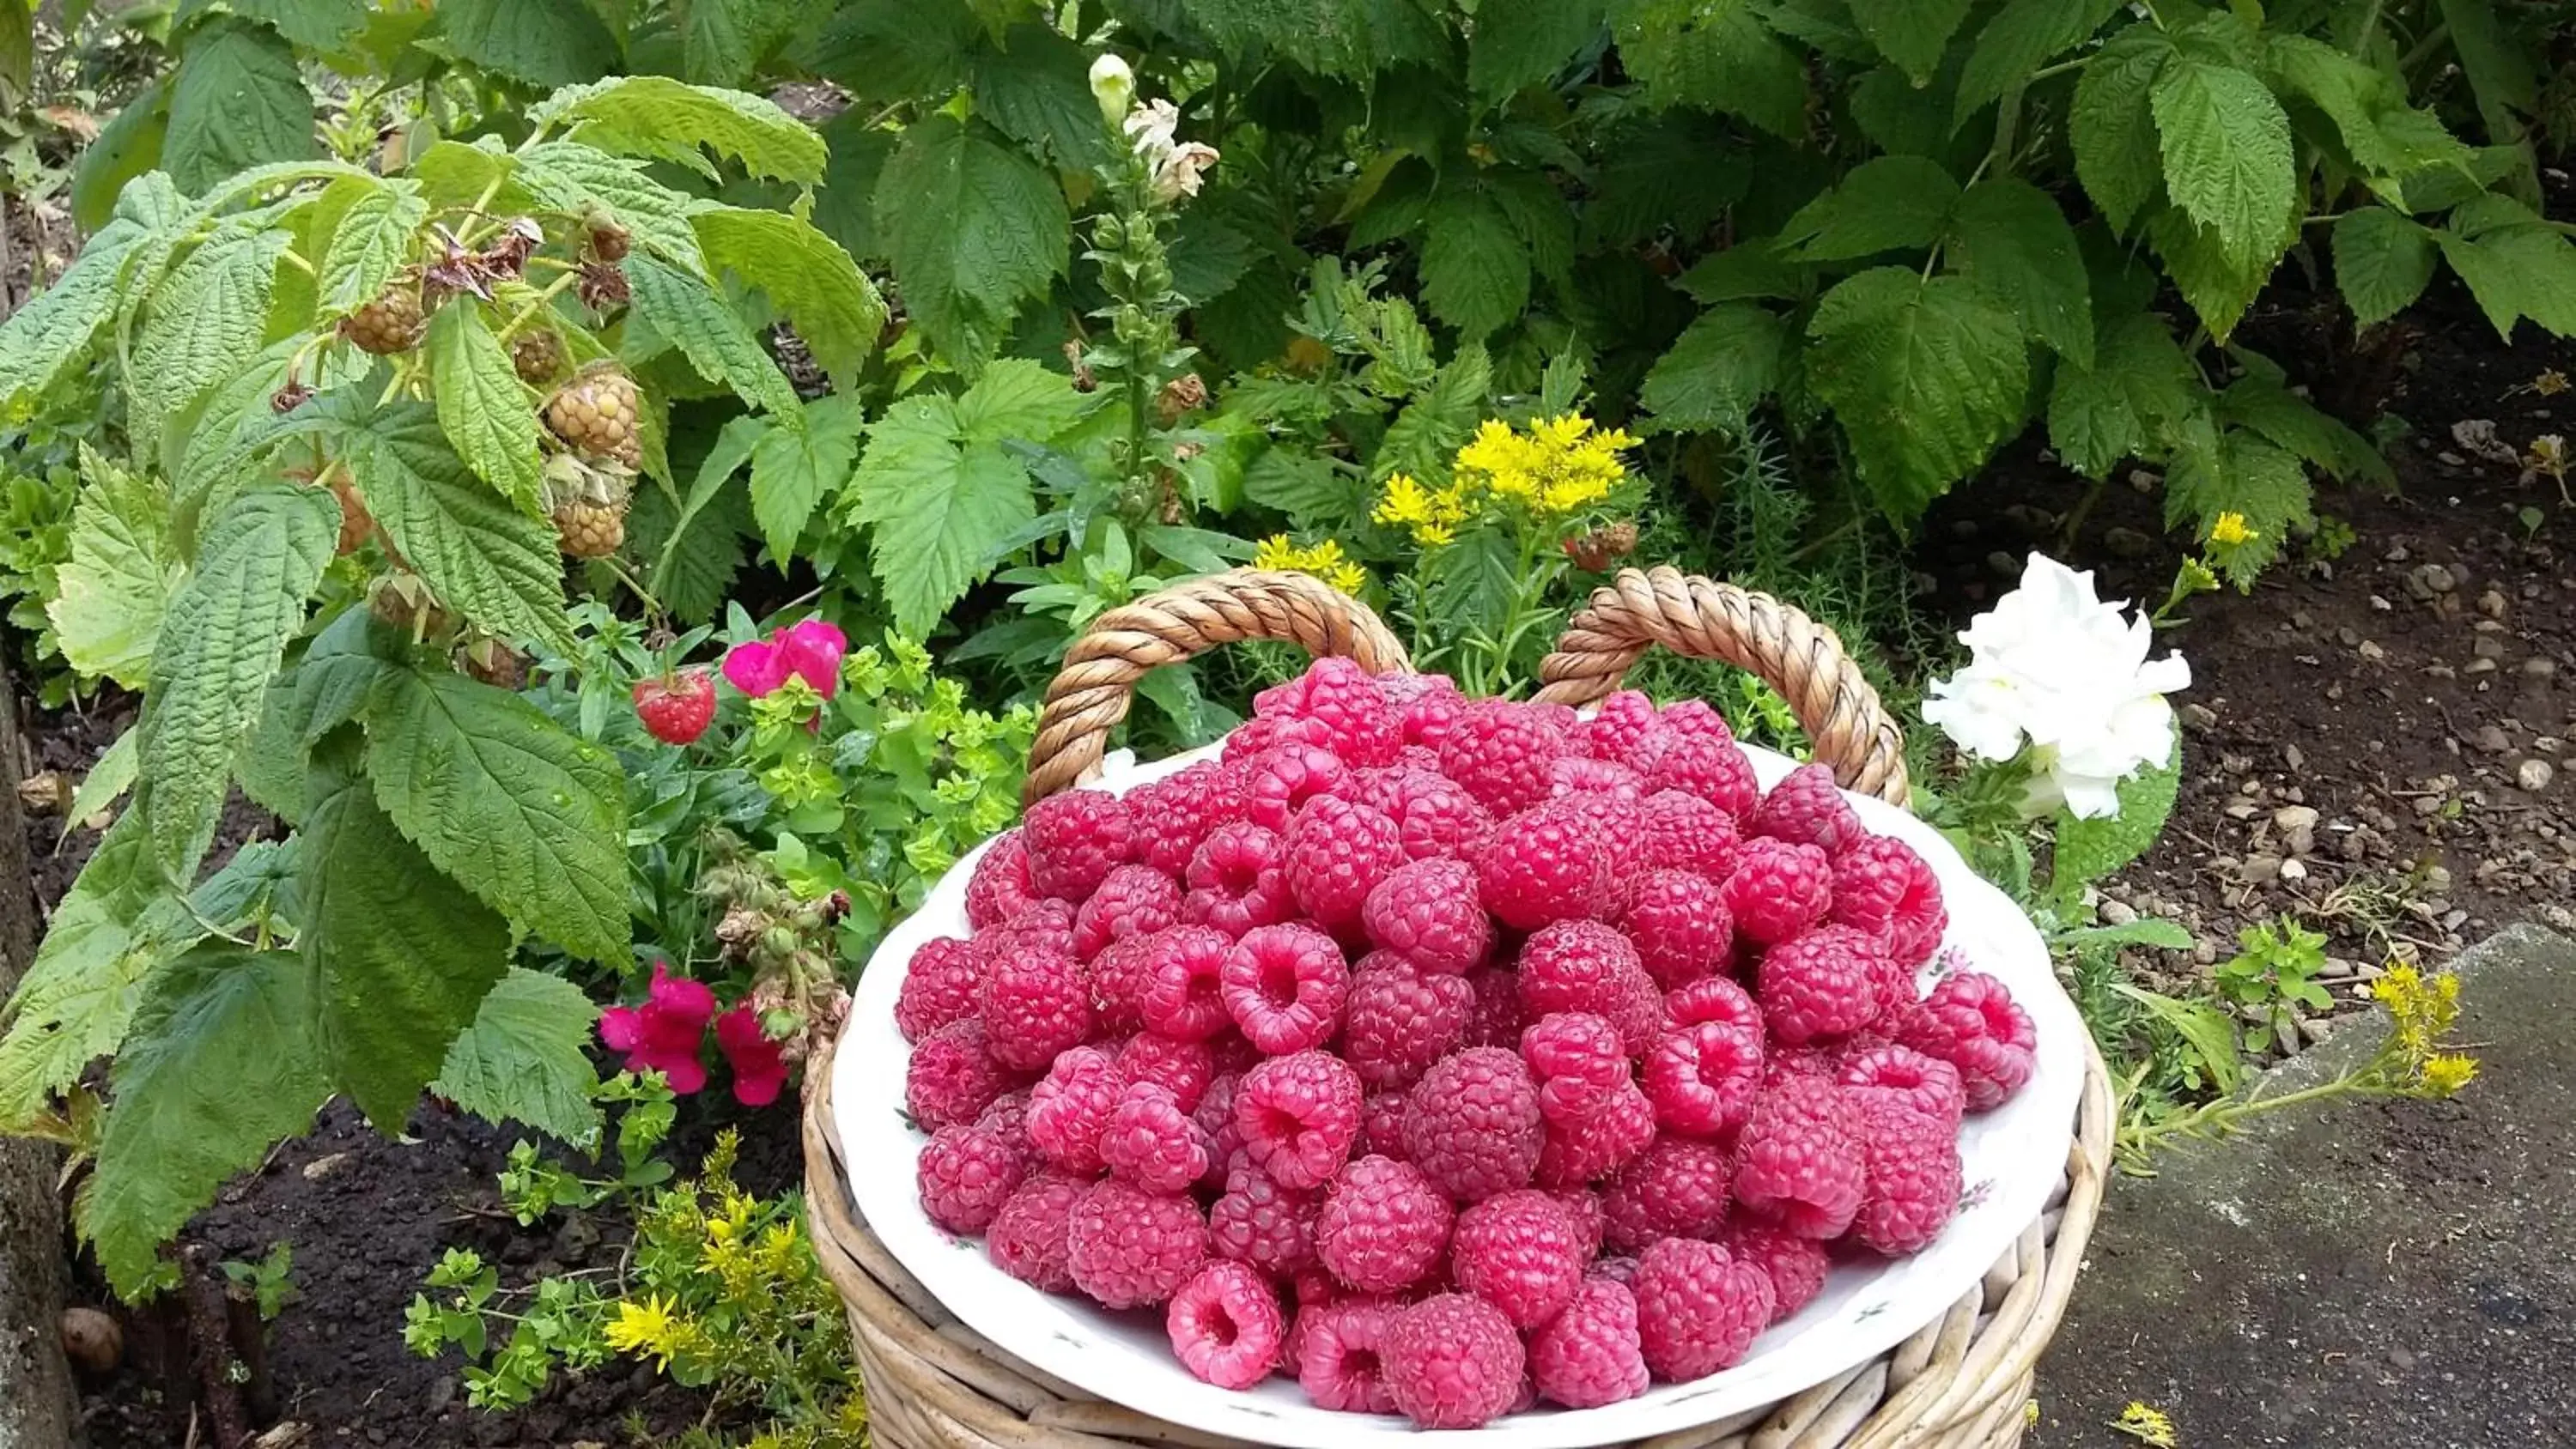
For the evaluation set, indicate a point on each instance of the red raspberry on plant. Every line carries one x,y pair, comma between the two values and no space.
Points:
1129,1248
999,887
1881,886
1451,1361
1520,1251
965,1175
1472,1124
1586,1149
1034,1002
1913,1174
1151,1142
1384,1226
1280,782
1675,1189
1796,1266
1703,1079
1428,912
1334,854
1398,1021
1259,1222
1299,1116
1971,1021
1808,808
1133,900
1678,922
1236,881
1777,890
1184,982
1615,728
1589,1355
1677,830
678,706
1501,752
1586,966
1069,1108
938,987
1698,1308
1825,984
1075,839
1027,1239
1543,866
953,1077
1799,1161
1182,1068
1174,815
1226,1327
1925,1083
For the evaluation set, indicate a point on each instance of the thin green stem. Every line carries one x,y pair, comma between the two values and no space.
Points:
541,302
2369,26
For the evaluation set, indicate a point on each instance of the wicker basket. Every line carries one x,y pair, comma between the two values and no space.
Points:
1960,1382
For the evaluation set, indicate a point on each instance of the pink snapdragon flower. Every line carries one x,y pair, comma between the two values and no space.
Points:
810,650
759,1067
664,1034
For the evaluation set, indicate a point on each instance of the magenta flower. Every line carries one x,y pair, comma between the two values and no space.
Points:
759,1068
664,1034
810,650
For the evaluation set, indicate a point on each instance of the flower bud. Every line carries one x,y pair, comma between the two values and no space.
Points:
1113,85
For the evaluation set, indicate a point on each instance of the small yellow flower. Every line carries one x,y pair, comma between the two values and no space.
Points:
1276,553
2230,530
2146,1425
2448,1073
1561,466
1325,561
648,1329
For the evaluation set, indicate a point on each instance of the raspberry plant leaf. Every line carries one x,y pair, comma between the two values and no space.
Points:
1894,203
486,412
542,42
525,1058
314,24
2112,124
975,230
365,226
721,41
528,816
400,953
2140,383
2088,850
1927,375
1912,33
2024,36
1717,372
238,101
2261,400
2200,266
2240,472
795,465
668,120
568,176
2498,69
1441,417
719,345
2381,134
1033,89
111,592
52,334
1475,266
1517,45
220,1063
2010,237
226,630
204,323
2383,261
1720,56
2516,264
2227,158
806,276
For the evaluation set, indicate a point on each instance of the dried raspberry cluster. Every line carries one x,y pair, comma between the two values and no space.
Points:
1448,1056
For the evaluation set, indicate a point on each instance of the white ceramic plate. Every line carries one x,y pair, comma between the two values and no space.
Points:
2012,1158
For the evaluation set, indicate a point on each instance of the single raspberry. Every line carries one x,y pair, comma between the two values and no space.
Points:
1580,775
1284,986
1007,1119
1579,1059
1698,1308
1796,1266
1499,1019
391,323
538,356
1226,1326
938,987
1971,1021
1236,881
1677,830
1259,1222
1429,913
1151,1142
1925,1083
1381,1126
1182,1068
1702,1079
1586,1149
1451,1361
1173,816
999,887
1884,888
1258,736
1615,727
1589,967
1543,866
1334,854
1383,1227
1677,919
1027,1236
1822,984
1133,900
1434,815
676,708
1397,1021
598,413
1712,998
1613,820
1777,890
1336,1347
952,1076
1075,839
1299,1116
1675,1188
1282,780
1215,1117
1589,1355
1684,719
1713,769
1034,1002
1118,979
1184,982
1128,1248
1363,727
1799,1160
1807,808
1501,752
1472,1123
965,1175
1913,1174
1427,706
586,528
1520,1251
1045,926
1069,1108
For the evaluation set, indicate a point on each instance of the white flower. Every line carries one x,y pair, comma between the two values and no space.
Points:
1180,170
2053,665
1150,127
1113,85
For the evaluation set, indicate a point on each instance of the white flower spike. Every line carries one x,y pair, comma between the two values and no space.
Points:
1113,85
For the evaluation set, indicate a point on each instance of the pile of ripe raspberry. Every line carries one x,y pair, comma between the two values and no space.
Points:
1449,1055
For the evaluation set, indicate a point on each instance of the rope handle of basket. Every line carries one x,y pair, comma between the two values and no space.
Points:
1801,659
1091,693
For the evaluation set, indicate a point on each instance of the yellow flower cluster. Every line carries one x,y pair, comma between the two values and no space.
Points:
746,1259
2230,530
1556,467
2147,1425
2421,1011
1432,514
654,1328
1324,560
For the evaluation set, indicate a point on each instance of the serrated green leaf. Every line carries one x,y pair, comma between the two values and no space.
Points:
1926,376
1912,33
723,41
402,955
1891,203
2382,134
1679,171
542,42
799,463
2227,158
523,1060
1516,45
220,1064
1748,271
1309,490
1034,89
732,449
127,146
2498,68
2140,383
714,338
668,120
1717,54
974,229
1717,372
339,672
113,589
483,408
2516,265
1352,39
2009,235
2024,36
885,51
238,101
2200,267
2382,261
939,490
2288,420
694,568
573,177
316,24
203,323
502,799
2112,124
109,777
226,629
2243,474
378,219
2088,850
806,276
1475,267
1432,427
